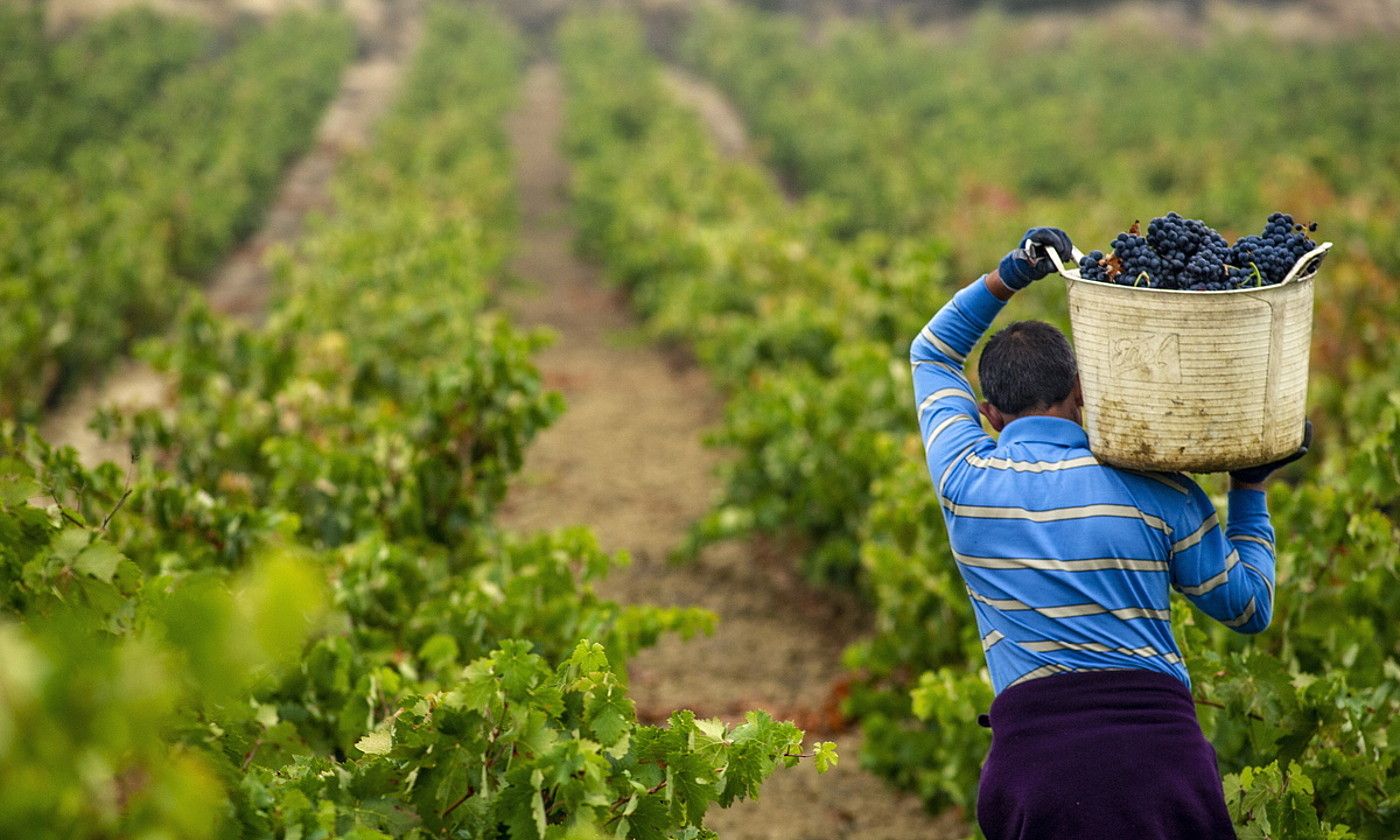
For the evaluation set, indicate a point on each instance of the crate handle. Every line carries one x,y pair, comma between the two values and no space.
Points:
1300,267
1039,252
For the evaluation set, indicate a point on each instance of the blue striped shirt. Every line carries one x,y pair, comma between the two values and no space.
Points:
1069,562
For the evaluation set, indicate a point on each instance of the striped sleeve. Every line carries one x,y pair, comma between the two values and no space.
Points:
948,420
1227,572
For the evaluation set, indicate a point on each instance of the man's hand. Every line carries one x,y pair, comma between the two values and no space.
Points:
1252,478
1019,269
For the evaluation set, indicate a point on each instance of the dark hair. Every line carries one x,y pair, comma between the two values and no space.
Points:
1027,366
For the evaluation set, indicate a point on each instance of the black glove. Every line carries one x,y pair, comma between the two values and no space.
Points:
1019,269
1254,475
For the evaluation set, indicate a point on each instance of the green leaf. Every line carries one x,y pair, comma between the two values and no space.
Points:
379,742
517,668
100,560
589,657
824,754
69,542
266,715
611,723
691,788
439,652
17,491
611,713
650,820
478,688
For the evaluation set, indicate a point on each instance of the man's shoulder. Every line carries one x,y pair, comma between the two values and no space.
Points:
1075,463
1174,497
1008,469
999,468
1179,483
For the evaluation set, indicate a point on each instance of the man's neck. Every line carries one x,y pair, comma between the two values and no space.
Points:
1060,412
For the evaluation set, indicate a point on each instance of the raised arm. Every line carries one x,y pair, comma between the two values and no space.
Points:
949,423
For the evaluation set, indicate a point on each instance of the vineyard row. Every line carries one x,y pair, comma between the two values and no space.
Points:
293,614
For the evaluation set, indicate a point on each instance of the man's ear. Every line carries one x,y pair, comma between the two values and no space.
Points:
995,417
1078,393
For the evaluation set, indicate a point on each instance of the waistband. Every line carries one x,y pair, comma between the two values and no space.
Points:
1093,696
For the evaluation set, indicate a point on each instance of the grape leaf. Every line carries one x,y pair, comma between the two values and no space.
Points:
824,754
378,742
99,560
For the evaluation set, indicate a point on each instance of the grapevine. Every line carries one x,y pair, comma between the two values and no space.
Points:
145,156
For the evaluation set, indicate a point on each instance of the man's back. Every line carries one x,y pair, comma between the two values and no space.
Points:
1069,562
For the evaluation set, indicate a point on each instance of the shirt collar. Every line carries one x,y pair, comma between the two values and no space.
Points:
1044,429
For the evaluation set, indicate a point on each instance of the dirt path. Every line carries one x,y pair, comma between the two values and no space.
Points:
626,459
718,113
241,286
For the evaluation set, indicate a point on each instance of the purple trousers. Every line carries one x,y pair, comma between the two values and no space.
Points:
1100,755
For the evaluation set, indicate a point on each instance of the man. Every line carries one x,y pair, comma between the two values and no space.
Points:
1068,563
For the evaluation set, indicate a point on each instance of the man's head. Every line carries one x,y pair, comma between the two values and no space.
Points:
1028,368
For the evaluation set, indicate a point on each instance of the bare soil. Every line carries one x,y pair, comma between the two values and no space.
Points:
241,286
626,459
61,15
721,118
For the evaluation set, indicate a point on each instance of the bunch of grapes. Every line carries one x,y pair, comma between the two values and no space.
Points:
1192,254
1181,253
1267,257
1137,261
1093,267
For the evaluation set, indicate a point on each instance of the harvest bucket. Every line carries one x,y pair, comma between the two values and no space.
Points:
1193,381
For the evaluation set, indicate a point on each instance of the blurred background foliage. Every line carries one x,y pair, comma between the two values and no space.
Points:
254,628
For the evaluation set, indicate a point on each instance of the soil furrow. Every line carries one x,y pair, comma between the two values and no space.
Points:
626,459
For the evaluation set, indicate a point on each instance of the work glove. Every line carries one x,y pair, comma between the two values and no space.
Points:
1019,269
1254,475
